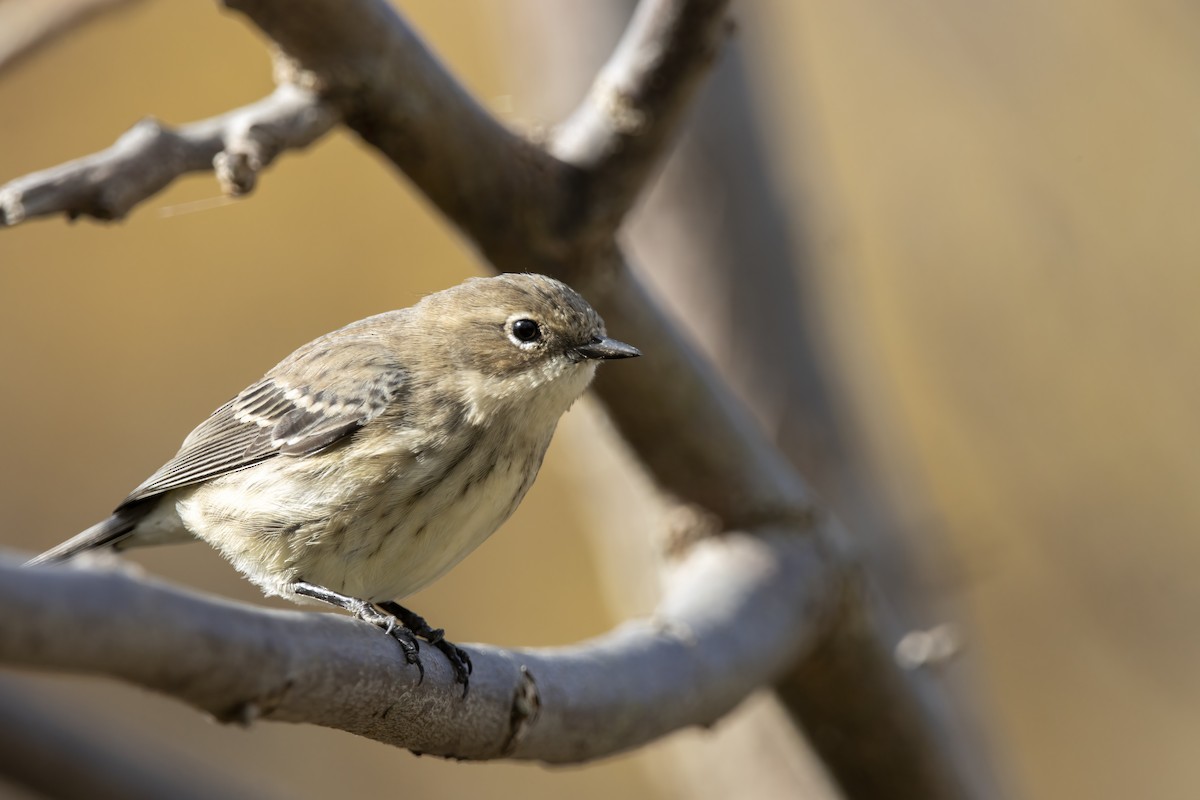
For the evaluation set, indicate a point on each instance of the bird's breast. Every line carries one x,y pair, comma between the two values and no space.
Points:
426,521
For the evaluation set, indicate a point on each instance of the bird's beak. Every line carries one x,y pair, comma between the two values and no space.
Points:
606,348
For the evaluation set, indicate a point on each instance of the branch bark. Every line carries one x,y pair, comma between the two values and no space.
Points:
738,611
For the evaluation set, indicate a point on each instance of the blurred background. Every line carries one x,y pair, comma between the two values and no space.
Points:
987,212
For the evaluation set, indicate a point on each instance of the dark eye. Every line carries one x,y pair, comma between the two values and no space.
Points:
526,330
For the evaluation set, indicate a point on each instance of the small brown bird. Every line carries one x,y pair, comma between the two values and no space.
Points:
372,460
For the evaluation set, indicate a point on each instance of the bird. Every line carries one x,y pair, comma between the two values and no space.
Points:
371,460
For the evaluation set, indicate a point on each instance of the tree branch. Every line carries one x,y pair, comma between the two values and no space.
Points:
619,133
237,145
486,178
53,751
527,207
685,425
738,611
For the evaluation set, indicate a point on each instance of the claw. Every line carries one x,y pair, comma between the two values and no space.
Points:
459,660
396,621
409,644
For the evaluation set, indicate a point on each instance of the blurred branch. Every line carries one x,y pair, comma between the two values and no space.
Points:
744,606
395,94
620,131
26,25
739,272
738,610
52,752
237,145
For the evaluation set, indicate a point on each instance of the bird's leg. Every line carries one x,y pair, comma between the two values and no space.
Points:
404,634
459,659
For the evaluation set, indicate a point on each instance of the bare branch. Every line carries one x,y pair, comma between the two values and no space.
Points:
732,266
481,175
238,145
681,419
883,731
620,131
525,206
738,611
58,752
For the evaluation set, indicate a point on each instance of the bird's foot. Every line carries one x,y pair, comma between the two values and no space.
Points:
459,659
403,636
391,624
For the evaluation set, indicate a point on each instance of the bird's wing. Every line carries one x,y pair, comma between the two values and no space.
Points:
317,396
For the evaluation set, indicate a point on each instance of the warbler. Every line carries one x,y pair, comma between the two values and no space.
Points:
373,459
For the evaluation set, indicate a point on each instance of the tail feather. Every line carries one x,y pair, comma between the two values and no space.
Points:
109,533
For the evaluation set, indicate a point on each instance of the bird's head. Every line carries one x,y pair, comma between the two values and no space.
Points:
519,337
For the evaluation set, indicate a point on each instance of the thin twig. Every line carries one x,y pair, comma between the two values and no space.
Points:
144,161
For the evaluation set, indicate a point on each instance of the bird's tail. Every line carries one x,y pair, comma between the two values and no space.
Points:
109,533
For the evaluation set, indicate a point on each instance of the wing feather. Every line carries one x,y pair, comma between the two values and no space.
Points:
301,407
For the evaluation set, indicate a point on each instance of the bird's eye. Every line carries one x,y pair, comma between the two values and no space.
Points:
526,330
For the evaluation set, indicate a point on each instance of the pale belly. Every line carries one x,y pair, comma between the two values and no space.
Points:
425,541
380,542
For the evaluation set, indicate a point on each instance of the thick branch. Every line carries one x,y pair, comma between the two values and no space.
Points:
143,162
880,730
53,751
399,98
620,131
738,611
526,207
681,419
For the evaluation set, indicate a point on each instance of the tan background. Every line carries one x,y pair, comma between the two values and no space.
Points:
1005,208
